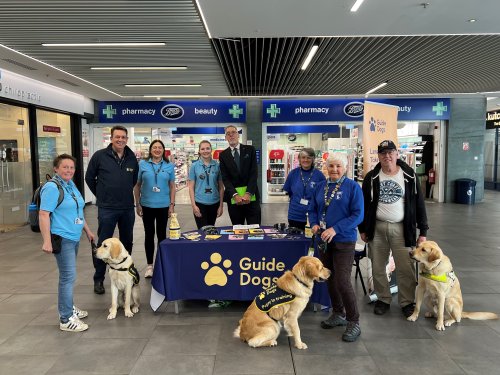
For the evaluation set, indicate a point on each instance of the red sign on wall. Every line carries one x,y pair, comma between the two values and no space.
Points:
51,129
276,154
216,154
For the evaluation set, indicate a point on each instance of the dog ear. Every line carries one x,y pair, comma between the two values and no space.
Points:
312,269
434,255
115,250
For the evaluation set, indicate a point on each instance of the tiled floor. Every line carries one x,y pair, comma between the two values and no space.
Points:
199,340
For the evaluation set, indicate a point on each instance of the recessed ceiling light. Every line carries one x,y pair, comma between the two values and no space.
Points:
162,85
356,5
309,57
138,68
103,44
472,20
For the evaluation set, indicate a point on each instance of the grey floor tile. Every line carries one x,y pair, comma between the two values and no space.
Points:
141,325
174,364
411,356
478,365
26,364
27,303
331,364
10,324
254,361
104,356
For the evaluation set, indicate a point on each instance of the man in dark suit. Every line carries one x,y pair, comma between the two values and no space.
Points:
238,166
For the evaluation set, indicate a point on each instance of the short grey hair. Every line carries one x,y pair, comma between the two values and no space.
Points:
307,151
337,156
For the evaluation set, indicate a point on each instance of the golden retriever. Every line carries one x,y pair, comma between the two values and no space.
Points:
260,328
439,288
124,277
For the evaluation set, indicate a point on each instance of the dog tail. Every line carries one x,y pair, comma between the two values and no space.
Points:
236,332
479,315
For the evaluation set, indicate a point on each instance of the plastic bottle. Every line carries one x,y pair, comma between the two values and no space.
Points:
308,231
174,230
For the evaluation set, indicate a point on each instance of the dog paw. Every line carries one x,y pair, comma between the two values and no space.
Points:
301,345
274,343
112,315
129,314
428,314
135,309
412,318
440,327
449,322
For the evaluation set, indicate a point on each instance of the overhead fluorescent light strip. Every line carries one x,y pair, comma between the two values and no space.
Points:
163,85
174,96
138,68
356,5
103,44
203,19
376,88
309,57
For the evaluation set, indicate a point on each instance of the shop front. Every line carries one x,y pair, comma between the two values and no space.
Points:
491,151
335,125
37,122
181,125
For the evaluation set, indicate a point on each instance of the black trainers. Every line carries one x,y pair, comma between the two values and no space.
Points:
381,308
99,287
408,310
352,332
334,320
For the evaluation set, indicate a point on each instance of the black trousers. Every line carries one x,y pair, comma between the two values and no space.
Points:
108,219
239,213
208,214
150,216
339,258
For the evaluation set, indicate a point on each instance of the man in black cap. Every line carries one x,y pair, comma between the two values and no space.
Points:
394,209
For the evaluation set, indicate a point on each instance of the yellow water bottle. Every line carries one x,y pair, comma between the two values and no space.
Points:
308,231
174,230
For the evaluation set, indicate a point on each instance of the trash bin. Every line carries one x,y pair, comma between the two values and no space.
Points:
465,191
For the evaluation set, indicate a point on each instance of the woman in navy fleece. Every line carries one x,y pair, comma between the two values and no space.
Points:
334,214
300,185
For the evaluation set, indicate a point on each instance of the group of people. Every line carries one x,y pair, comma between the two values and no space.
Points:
123,187
387,210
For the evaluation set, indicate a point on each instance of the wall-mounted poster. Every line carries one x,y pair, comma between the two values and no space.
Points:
46,148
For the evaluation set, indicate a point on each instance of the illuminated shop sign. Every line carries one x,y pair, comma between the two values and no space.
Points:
328,110
492,120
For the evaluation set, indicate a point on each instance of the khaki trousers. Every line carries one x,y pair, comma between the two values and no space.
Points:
387,237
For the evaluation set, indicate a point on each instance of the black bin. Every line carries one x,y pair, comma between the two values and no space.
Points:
465,191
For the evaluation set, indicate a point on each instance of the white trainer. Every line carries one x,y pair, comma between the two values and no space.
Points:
73,325
149,272
80,313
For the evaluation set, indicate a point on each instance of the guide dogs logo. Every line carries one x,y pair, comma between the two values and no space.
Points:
172,112
354,109
216,275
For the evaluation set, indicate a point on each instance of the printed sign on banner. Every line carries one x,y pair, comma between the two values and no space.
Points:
380,122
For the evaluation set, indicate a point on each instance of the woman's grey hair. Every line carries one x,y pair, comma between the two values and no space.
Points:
337,156
307,151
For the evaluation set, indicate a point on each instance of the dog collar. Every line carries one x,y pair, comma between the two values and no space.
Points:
300,281
131,270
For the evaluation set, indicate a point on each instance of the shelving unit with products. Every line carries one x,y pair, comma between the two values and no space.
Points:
276,173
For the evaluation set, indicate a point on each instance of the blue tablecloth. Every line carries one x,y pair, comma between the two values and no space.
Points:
225,269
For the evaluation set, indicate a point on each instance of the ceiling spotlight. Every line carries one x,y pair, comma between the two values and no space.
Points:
472,20
162,85
356,5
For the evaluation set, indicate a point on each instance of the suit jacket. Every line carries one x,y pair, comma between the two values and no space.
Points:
247,176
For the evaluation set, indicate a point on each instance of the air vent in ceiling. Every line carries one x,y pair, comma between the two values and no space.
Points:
14,62
68,83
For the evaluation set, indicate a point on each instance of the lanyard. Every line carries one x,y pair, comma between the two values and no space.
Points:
70,191
329,199
156,172
305,182
207,173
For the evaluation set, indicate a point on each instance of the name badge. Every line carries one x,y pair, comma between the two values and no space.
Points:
322,224
79,221
156,189
304,202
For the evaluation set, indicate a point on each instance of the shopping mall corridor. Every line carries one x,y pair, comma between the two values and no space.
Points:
199,340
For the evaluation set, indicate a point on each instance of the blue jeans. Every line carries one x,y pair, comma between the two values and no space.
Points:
66,262
107,219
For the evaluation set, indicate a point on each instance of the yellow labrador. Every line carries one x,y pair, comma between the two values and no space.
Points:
261,326
439,288
124,277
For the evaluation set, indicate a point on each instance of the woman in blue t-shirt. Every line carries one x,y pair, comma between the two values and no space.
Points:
206,189
154,198
300,185
61,227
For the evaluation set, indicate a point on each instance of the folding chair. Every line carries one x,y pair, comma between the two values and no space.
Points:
358,255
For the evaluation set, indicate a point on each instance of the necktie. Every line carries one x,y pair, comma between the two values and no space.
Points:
236,156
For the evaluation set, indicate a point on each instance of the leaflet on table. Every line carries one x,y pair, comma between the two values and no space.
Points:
192,236
277,236
256,231
226,231
271,230
241,231
247,226
255,237
241,192
212,237
236,237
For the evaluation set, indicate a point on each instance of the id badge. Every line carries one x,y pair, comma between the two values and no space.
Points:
156,189
322,224
304,202
208,190
79,221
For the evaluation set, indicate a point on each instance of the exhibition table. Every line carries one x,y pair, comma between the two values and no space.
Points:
225,269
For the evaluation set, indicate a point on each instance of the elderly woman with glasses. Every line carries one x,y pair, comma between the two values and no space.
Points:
335,212
300,185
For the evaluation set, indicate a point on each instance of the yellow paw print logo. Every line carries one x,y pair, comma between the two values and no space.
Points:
216,275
